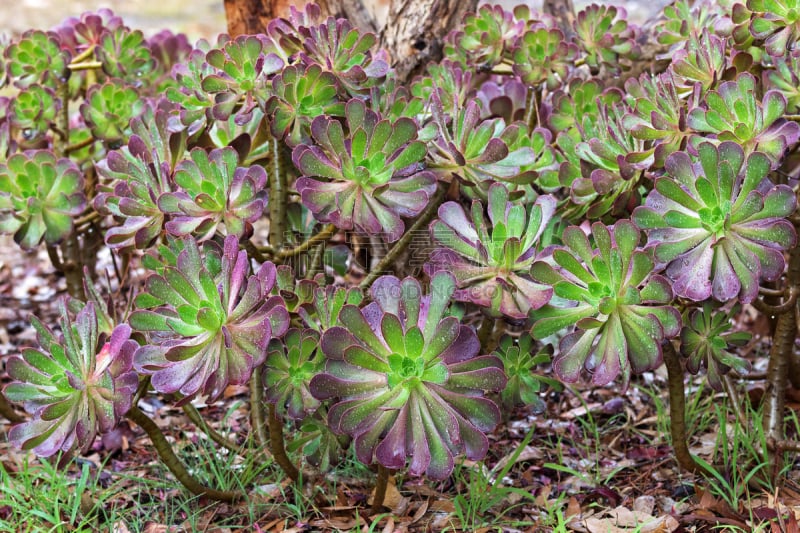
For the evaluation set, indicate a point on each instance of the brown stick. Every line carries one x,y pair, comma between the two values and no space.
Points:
780,356
174,464
677,410
197,419
380,489
257,420
276,444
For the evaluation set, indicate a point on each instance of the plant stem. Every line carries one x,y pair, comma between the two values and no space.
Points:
780,355
277,199
323,235
405,240
73,266
197,419
78,145
677,410
61,138
257,409
735,400
174,464
380,489
85,65
276,444
485,331
316,262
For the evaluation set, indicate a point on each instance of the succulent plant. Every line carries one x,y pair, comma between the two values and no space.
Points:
686,18
476,150
579,101
209,322
346,52
37,58
543,55
125,55
299,94
288,369
507,100
776,23
322,311
485,38
704,61
734,113
519,363
393,100
81,33
705,341
448,83
605,37
409,382
108,110
214,191
34,110
491,262
658,115
618,313
718,224
138,175
372,174
611,162
195,103
75,385
785,78
242,67
168,49
322,448
39,197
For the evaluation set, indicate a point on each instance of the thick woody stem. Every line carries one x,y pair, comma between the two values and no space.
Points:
677,410
780,357
405,240
197,419
257,419
277,446
380,489
174,464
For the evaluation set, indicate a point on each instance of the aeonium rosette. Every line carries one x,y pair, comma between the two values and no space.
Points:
76,384
718,224
706,341
618,309
368,178
208,321
491,262
409,382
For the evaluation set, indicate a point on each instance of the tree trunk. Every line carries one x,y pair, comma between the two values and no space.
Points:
412,32
415,30
252,16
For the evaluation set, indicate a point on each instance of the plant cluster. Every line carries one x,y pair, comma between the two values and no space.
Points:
612,224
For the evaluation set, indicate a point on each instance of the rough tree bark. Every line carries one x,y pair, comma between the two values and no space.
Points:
412,33
415,30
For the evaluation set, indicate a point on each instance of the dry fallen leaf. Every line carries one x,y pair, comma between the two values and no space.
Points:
623,520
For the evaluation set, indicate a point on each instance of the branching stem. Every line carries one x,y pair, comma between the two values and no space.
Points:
405,240
276,444
677,410
197,419
380,489
174,464
257,419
